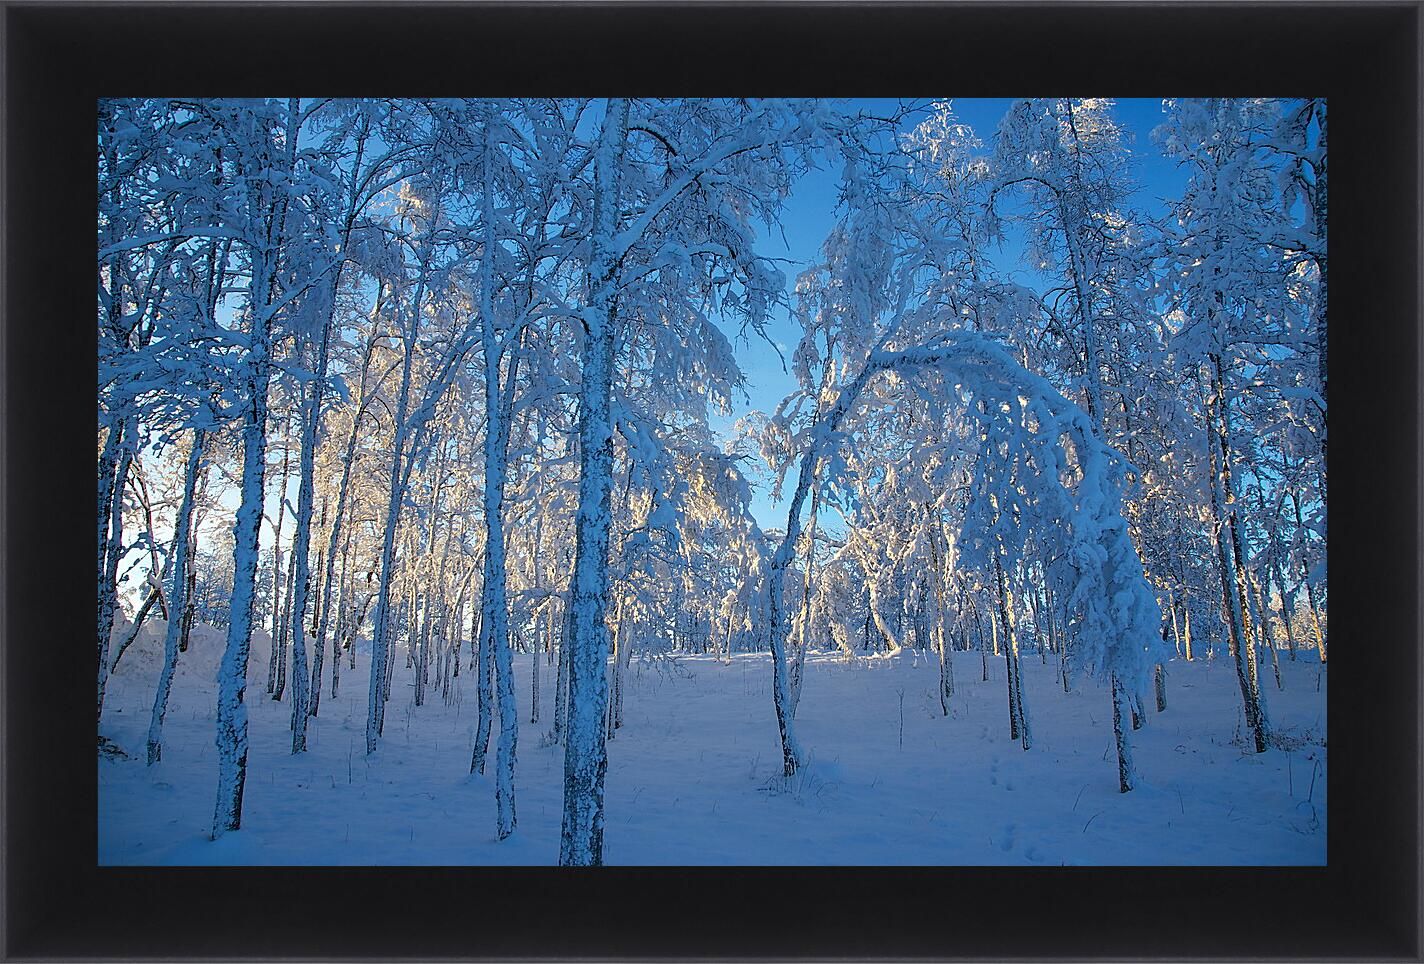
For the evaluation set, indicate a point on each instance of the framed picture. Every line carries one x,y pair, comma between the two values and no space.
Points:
963,870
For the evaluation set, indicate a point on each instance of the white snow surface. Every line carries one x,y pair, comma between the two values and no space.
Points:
695,773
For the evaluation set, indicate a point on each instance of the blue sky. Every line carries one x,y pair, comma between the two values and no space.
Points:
810,214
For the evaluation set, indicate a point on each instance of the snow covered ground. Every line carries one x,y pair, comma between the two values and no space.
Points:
694,774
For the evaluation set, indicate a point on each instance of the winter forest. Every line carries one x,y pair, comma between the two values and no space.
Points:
692,481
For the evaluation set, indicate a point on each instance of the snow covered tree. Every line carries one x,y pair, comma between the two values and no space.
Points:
264,139
675,186
1241,309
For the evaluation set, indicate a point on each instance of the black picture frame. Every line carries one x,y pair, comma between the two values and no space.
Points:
1365,904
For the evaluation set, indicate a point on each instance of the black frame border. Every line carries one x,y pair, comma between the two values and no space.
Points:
57,904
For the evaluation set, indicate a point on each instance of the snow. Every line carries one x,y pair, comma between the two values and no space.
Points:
695,773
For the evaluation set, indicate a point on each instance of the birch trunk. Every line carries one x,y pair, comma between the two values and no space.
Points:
1127,774
318,603
111,542
494,603
1285,601
585,754
301,546
1241,649
800,646
177,601
276,639
133,631
1264,619
282,618
947,671
561,691
1306,581
534,656
380,643
232,673
1018,726
338,520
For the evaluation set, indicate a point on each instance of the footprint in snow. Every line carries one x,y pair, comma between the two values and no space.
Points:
1006,842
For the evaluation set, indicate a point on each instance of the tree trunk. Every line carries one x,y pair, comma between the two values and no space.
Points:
282,638
561,691
379,687
493,602
139,618
301,547
534,655
158,570
177,602
111,542
1306,581
585,754
189,610
615,678
893,642
484,685
306,699
1127,775
273,659
800,643
318,600
1264,617
947,670
340,607
338,520
458,638
380,629
1219,452
419,638
984,655
1018,726
1286,600
232,673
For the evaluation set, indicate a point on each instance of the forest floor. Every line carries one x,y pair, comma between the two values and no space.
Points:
694,773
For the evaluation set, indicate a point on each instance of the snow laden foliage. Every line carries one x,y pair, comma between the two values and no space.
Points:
1046,474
